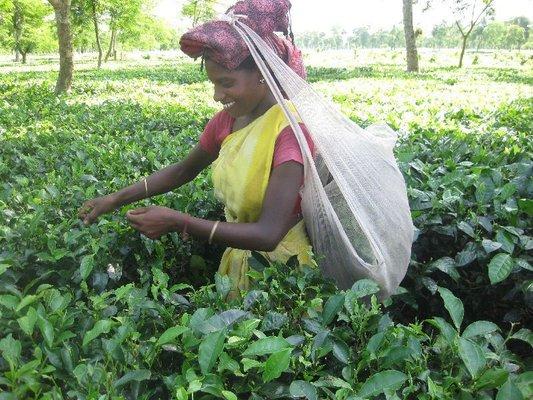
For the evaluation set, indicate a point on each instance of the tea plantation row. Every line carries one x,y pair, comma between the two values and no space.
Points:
101,313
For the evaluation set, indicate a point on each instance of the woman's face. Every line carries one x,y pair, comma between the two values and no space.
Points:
239,91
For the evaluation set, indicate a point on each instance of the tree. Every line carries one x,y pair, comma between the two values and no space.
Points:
524,23
515,36
410,37
468,14
95,13
199,10
123,16
66,59
6,9
360,37
27,23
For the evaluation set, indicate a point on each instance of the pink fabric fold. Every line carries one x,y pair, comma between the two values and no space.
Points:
226,47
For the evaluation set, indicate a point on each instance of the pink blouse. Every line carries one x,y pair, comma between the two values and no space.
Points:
286,147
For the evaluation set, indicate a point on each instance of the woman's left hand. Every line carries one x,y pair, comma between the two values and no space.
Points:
154,221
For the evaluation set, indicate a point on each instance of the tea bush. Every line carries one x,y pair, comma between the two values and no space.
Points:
100,312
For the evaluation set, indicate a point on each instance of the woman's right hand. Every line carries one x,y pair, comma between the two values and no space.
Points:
92,209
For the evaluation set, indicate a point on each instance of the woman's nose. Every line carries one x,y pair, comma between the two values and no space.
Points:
218,95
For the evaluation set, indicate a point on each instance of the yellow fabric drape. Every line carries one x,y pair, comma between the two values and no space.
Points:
240,178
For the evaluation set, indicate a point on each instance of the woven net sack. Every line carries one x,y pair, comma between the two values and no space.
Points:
354,199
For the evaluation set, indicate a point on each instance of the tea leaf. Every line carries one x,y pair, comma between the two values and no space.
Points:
170,334
3,268
506,240
303,389
500,267
453,305
9,301
524,335
472,355
27,322
229,395
490,246
209,350
267,345
466,228
446,265
478,328
526,206
492,379
222,321
137,376
248,364
86,266
101,327
47,330
26,300
509,391
276,364
273,320
332,308
11,350
364,287
223,284
341,351
382,381
228,363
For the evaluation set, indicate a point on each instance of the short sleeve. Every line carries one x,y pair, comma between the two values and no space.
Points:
287,147
214,133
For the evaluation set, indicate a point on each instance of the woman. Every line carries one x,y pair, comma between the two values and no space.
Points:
257,162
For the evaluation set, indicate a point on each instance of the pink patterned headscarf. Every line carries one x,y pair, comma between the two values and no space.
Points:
226,47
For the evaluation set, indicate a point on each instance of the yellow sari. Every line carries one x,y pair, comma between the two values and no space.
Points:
240,178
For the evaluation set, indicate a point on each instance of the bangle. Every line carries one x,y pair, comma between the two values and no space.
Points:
145,187
213,232
184,234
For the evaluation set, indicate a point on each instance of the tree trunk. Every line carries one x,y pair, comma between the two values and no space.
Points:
97,34
410,38
111,45
17,20
24,54
465,39
115,47
66,63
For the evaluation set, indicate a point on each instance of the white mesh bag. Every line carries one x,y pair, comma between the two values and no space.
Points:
354,199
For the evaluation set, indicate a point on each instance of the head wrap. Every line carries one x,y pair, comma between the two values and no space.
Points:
225,46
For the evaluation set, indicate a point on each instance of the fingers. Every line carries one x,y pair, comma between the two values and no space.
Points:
137,211
89,219
136,225
84,209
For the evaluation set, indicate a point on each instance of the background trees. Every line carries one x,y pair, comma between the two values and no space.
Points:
23,27
199,10
468,13
410,37
64,35
107,27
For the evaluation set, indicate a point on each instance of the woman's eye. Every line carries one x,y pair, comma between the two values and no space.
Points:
227,85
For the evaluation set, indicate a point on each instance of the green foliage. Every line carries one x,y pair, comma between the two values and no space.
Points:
23,27
93,311
198,10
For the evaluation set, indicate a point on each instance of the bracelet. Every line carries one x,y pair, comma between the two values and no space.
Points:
184,234
145,187
213,232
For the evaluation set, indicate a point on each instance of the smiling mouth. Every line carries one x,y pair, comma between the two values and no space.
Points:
228,105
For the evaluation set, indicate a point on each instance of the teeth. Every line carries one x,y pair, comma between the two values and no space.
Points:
228,105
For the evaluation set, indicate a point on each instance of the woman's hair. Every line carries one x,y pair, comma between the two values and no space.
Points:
248,64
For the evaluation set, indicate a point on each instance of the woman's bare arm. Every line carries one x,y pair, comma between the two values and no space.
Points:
160,182
264,235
